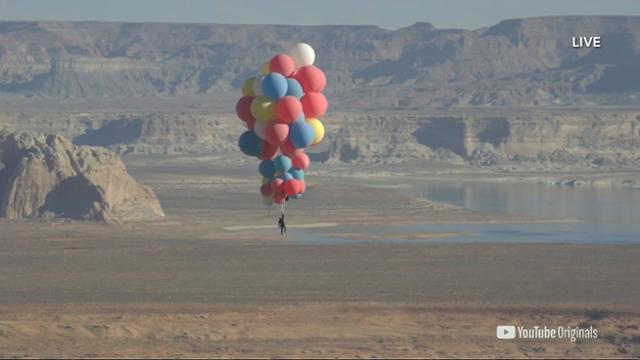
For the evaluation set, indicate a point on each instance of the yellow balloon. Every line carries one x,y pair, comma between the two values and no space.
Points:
266,69
318,130
247,87
257,86
262,108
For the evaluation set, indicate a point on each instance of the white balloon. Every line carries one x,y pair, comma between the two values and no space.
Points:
257,86
302,54
259,129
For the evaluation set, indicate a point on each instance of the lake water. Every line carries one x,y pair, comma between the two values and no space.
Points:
602,215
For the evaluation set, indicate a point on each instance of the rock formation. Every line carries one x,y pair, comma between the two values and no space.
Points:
510,93
521,62
47,176
604,139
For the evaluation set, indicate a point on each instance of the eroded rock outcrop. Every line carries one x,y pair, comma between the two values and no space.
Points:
48,176
521,62
596,139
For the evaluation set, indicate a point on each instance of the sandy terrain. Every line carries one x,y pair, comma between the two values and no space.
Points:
214,280
309,331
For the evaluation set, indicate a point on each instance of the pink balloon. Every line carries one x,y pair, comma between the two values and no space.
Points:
288,109
282,64
287,148
311,78
266,190
243,109
314,105
268,151
276,133
301,161
303,186
276,185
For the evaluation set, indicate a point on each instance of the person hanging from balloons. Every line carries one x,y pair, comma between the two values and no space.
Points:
281,110
282,225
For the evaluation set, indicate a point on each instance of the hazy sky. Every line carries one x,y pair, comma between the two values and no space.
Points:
390,14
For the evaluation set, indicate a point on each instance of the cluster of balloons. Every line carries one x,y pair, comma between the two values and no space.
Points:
281,109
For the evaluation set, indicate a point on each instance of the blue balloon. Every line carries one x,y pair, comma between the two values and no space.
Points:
282,163
301,134
286,177
294,88
296,196
267,168
274,86
299,118
250,143
296,173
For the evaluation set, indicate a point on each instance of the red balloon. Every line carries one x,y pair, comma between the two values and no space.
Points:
288,109
314,105
278,198
276,133
301,161
251,124
276,185
282,64
243,109
292,187
311,78
287,148
303,186
266,190
268,151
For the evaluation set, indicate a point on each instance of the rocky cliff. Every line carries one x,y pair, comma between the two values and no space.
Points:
523,62
47,176
502,96
155,133
604,139
484,137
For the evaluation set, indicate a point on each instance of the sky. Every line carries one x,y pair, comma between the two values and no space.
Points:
389,14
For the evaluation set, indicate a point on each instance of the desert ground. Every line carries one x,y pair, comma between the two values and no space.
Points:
216,279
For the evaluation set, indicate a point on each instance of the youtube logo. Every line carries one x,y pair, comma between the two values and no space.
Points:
506,332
